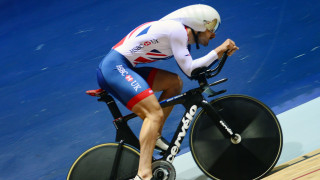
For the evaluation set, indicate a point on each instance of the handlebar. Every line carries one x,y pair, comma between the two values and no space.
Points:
220,65
199,73
202,74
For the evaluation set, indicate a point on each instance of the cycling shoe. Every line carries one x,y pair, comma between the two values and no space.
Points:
161,144
139,178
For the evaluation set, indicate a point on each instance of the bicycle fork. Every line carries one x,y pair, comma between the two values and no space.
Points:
220,123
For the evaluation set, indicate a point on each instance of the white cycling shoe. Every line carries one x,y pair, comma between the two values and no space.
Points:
139,178
161,144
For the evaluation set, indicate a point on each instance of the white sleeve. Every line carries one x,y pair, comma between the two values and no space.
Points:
182,55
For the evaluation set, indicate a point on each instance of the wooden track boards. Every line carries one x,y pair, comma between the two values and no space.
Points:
301,168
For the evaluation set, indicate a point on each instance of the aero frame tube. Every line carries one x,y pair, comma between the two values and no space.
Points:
191,105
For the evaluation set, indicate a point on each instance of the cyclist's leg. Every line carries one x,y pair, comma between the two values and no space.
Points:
120,79
160,80
117,76
150,111
170,84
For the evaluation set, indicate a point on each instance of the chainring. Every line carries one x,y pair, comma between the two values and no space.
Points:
163,170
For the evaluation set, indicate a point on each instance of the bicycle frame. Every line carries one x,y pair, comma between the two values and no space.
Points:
191,100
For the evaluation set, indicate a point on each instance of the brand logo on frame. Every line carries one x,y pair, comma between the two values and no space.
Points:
186,123
226,127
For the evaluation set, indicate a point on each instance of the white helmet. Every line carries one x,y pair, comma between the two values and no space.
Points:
198,17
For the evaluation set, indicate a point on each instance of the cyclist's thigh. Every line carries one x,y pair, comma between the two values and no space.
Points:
159,79
148,74
118,77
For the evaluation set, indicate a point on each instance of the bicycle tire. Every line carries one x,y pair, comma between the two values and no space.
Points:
256,154
96,163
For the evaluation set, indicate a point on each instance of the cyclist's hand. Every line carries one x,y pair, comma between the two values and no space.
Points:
227,45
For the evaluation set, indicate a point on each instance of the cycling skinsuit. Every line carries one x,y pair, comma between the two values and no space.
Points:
153,41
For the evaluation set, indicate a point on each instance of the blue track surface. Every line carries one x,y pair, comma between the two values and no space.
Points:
49,51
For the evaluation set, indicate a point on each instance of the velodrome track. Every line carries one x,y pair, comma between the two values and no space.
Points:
49,51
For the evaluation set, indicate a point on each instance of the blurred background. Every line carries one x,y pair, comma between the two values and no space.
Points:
49,52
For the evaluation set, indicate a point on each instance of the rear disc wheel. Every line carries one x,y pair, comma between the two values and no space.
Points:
97,163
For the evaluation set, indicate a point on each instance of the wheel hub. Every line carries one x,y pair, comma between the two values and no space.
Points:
236,139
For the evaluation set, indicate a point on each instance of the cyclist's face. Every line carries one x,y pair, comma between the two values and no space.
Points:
204,37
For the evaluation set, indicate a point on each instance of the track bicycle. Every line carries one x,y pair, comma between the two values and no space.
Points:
232,137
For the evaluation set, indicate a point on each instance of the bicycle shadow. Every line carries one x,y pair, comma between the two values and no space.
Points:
193,175
290,151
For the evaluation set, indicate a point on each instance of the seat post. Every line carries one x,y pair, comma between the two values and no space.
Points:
105,97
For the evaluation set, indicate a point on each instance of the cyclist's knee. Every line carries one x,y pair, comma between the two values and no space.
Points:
180,82
177,84
149,108
156,115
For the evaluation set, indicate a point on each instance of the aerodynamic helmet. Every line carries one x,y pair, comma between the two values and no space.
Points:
198,17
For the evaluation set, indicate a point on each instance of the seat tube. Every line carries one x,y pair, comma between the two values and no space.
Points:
111,105
116,161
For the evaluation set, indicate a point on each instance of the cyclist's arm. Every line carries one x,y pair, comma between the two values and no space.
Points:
182,55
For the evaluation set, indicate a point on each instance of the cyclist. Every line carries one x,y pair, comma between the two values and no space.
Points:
133,86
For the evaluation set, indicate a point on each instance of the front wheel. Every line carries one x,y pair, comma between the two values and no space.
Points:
97,163
251,158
